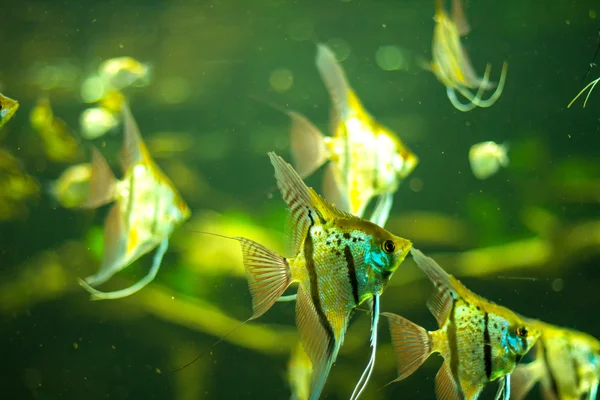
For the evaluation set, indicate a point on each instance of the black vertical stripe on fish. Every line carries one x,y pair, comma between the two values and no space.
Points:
352,273
553,382
453,342
487,346
314,287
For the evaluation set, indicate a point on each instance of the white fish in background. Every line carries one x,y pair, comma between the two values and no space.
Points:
147,209
486,158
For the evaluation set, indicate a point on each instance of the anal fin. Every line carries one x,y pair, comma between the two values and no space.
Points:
114,249
446,387
318,340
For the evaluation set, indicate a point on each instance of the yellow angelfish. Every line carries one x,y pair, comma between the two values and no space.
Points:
59,145
148,209
339,261
8,107
367,159
479,340
451,65
567,363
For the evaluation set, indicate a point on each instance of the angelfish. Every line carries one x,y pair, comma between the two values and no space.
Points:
480,341
567,364
8,108
339,261
147,210
451,65
367,159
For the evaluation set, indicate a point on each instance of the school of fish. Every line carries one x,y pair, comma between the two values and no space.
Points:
337,259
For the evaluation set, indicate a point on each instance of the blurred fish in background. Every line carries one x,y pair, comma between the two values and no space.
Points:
148,208
486,158
16,187
451,64
58,143
368,160
105,88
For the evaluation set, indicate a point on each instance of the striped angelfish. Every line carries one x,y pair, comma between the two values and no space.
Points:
567,364
339,261
479,340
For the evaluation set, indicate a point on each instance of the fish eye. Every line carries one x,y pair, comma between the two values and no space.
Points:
522,332
388,246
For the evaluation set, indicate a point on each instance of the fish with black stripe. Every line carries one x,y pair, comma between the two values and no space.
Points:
339,261
480,341
567,364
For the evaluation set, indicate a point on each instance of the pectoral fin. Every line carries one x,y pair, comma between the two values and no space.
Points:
446,388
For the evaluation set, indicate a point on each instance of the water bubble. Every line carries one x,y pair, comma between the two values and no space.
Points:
281,80
390,58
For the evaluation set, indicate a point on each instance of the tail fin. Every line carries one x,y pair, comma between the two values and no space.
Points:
524,378
102,182
412,344
268,275
308,147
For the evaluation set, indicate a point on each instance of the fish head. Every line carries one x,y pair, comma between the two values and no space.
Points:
177,212
520,335
386,252
8,107
405,162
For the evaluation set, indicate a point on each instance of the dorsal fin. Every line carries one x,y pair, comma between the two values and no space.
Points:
460,20
305,205
335,80
133,145
441,303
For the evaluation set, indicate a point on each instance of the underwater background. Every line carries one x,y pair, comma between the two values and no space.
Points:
528,237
